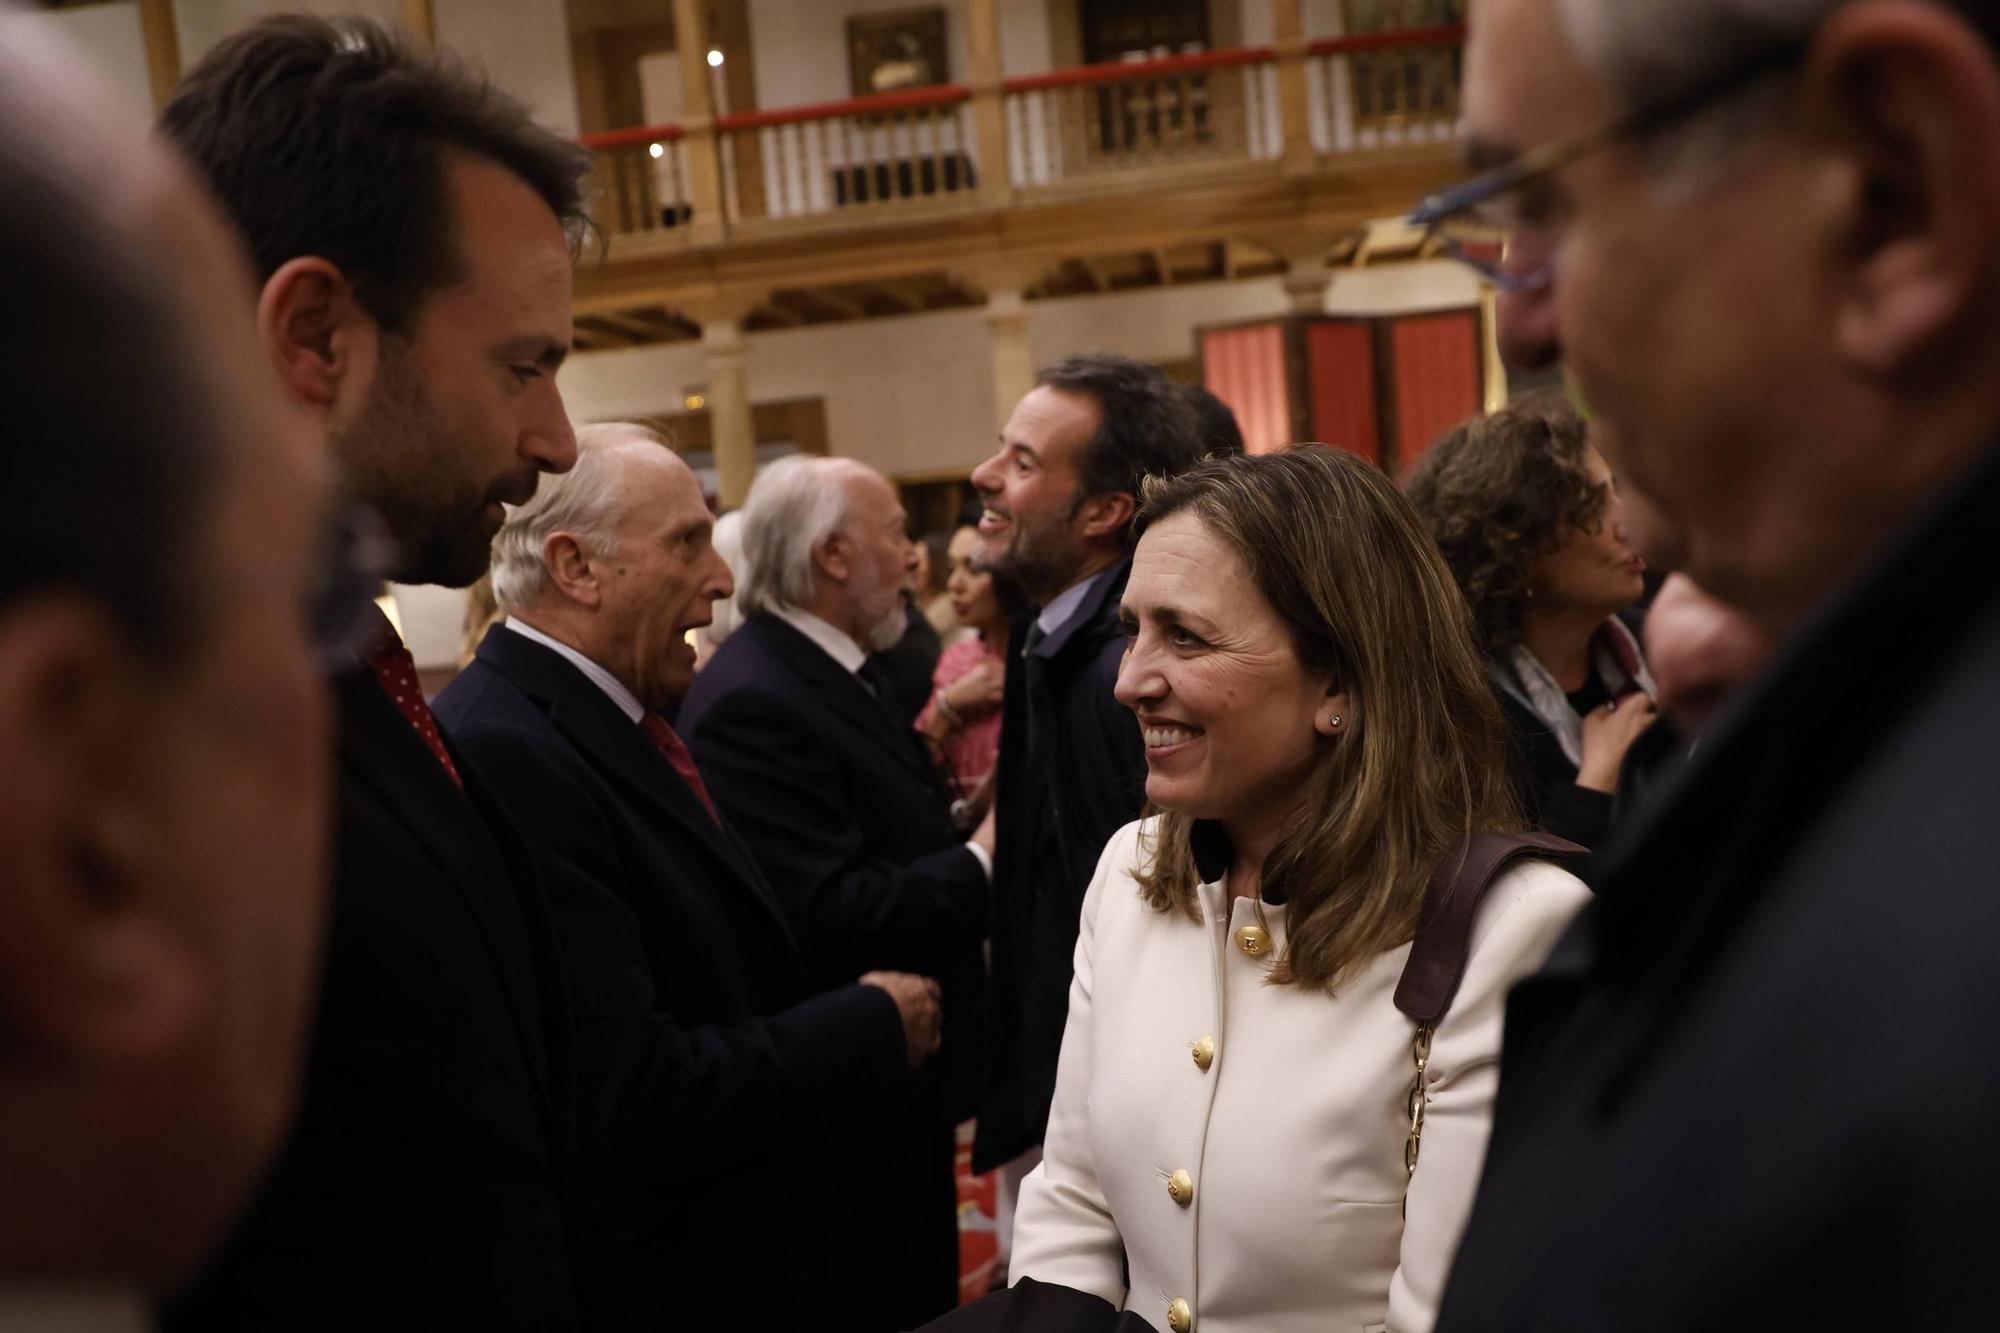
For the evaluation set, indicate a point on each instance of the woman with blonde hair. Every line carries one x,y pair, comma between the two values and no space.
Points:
1267,1116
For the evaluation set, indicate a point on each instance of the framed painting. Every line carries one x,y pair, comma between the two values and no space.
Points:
897,49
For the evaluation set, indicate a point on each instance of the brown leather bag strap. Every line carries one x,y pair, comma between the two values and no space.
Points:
1444,932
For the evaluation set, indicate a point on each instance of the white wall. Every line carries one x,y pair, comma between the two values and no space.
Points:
107,37
523,45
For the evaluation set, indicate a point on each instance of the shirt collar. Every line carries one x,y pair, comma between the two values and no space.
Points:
1064,604
840,647
628,703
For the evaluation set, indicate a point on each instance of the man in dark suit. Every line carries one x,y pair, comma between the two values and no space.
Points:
1059,499
712,1082
843,805
412,229
1754,1085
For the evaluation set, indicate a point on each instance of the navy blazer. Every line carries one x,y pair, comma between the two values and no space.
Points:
709,1074
426,1181
1072,773
849,816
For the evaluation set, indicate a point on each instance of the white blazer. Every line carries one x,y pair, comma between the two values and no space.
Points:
1292,1138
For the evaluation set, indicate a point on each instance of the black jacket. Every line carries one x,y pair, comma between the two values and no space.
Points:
705,1126
1544,780
1072,773
1756,1086
847,813
424,1182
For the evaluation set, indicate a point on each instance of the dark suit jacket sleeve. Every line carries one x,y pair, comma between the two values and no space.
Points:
723,1087
1545,782
776,778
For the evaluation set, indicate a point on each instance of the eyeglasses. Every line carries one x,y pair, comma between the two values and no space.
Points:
1471,222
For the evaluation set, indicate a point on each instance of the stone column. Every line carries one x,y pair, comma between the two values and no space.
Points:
731,434
1013,363
163,48
706,225
989,110
421,21
1306,281
1289,48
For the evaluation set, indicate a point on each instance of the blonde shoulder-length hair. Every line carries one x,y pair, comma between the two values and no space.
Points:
1346,564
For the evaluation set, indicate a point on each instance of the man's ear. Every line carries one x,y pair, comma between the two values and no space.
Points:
571,569
314,330
834,558
92,966
1105,515
1911,102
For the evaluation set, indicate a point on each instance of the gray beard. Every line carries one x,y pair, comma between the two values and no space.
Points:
887,632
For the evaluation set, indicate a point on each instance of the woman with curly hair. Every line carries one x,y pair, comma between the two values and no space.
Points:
1527,515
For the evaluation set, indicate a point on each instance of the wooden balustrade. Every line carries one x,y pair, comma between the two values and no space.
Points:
868,152
1384,90
1206,107
900,150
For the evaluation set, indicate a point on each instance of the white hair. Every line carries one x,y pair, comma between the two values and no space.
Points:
1644,52
583,502
794,505
726,615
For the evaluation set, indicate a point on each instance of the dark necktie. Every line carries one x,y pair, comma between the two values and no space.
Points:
669,743
396,672
877,680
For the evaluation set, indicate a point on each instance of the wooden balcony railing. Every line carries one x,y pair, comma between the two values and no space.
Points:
864,153
1206,107
895,150
1384,89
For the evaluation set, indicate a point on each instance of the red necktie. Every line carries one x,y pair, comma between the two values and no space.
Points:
675,749
396,672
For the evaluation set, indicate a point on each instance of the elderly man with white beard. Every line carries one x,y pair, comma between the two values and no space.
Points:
845,810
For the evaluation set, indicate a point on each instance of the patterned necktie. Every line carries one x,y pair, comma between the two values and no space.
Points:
669,743
396,672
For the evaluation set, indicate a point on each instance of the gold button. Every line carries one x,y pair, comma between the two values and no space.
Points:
1204,1054
1253,940
1180,1185
1179,1317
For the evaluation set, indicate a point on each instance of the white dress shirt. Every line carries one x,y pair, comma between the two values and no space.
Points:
628,702
1291,1137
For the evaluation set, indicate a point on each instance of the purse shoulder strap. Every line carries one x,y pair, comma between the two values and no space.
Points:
1439,953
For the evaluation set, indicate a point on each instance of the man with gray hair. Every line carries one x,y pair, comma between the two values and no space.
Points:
163,779
1754,1085
697,1028
843,805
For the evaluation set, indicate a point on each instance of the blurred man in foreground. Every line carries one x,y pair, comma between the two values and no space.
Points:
162,731
1778,236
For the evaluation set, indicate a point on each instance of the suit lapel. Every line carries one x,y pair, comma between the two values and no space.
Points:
613,744
381,750
845,696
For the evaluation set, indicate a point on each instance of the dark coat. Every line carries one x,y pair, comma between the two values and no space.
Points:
1544,780
1072,773
850,819
911,663
424,1183
1755,1085
705,1065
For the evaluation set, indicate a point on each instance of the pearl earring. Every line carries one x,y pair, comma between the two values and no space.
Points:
1333,720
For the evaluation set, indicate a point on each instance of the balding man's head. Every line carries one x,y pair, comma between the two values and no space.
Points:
617,559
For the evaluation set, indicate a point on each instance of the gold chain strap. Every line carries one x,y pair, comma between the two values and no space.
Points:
1420,1054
